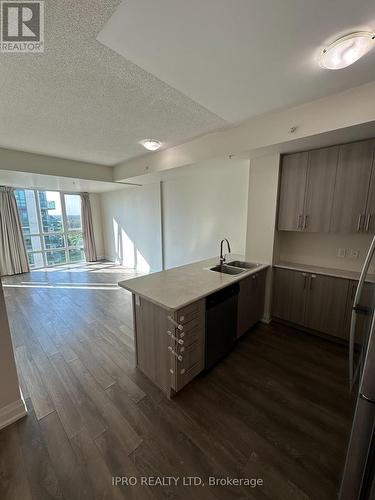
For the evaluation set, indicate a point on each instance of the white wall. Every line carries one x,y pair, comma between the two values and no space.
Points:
318,249
202,207
96,211
20,161
132,227
11,404
261,219
262,208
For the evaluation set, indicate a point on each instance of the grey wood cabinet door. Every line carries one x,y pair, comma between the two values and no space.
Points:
289,295
326,304
292,191
369,222
250,301
153,356
351,188
321,176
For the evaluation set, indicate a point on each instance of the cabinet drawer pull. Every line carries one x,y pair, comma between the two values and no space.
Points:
180,341
174,322
368,219
178,356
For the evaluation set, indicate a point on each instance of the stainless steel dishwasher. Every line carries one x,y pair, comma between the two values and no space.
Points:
221,323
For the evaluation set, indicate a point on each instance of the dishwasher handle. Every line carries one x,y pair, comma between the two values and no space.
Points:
222,295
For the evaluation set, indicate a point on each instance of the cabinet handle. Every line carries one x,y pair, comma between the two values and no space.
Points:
174,322
178,356
180,341
312,277
368,219
299,221
305,219
304,281
359,223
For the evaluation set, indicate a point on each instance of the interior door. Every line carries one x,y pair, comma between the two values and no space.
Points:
321,175
289,295
326,304
351,188
292,191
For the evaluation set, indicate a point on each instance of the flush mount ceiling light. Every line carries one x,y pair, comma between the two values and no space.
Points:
151,144
347,50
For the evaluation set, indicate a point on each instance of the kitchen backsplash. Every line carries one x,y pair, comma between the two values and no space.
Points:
320,249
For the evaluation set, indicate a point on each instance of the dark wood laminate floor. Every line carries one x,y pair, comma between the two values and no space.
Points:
276,408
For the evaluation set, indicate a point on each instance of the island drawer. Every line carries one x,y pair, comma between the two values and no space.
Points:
190,312
192,363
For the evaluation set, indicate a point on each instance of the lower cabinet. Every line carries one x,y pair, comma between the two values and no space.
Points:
314,301
250,301
170,346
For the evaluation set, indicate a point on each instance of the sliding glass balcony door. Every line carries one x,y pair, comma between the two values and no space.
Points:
52,226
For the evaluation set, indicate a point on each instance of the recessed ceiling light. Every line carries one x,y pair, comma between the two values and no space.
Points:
151,144
347,50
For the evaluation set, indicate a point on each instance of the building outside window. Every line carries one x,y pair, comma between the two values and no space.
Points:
51,225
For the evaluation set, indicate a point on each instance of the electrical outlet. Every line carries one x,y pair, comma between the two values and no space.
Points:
341,252
354,253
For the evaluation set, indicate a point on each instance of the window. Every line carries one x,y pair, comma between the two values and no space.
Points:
52,226
72,204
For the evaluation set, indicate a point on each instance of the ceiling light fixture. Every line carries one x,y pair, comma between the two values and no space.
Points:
151,144
347,50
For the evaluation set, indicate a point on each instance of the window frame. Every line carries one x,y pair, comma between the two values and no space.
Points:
64,233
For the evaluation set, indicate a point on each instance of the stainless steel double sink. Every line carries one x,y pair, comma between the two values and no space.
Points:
234,267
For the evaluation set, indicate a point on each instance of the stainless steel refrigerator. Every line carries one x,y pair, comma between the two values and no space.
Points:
358,481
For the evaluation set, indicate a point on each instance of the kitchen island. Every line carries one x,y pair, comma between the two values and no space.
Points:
169,310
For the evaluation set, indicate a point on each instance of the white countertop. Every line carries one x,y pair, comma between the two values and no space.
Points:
180,286
336,273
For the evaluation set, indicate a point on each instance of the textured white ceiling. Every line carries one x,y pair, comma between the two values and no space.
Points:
81,100
241,58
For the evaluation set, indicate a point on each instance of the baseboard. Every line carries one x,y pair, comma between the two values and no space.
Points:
12,412
266,319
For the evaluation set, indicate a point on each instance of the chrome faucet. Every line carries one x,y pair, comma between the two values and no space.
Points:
222,257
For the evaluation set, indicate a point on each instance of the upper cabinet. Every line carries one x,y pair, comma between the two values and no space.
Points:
353,188
306,190
292,191
320,187
329,190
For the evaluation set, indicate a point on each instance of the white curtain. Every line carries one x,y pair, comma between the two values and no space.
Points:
88,229
13,256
